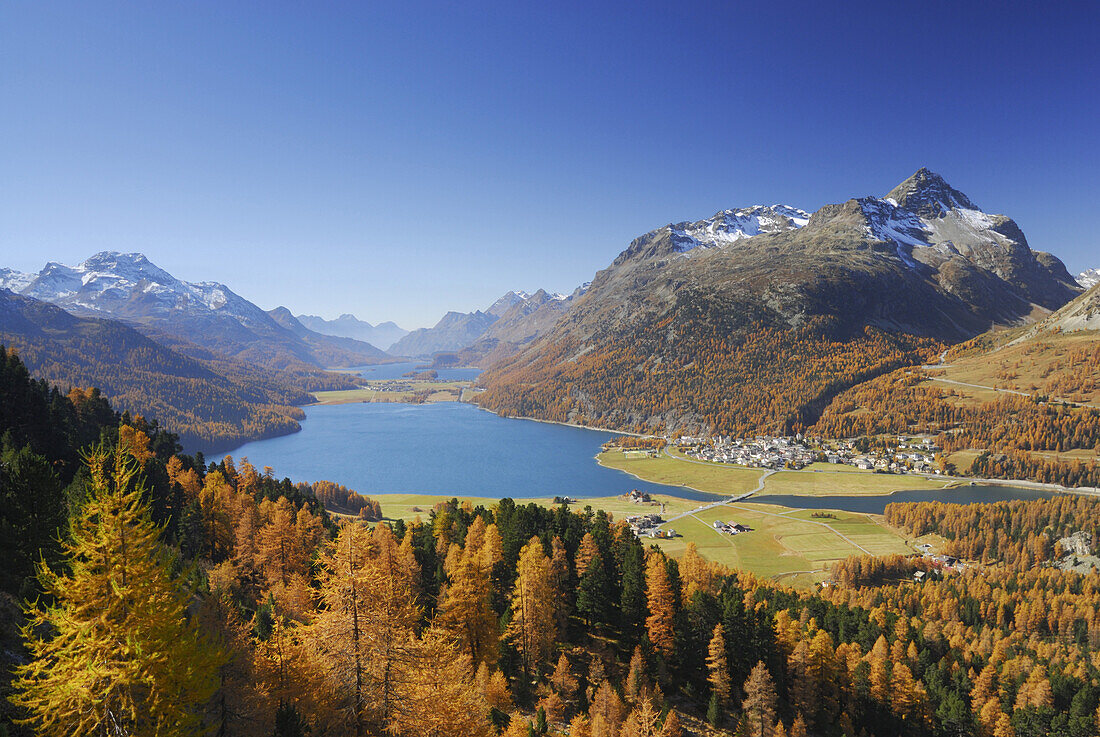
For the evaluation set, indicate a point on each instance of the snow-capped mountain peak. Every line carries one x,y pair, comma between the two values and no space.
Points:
127,284
730,226
1087,278
927,219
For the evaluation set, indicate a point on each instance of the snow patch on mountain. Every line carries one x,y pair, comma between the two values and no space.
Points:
888,222
943,219
730,226
15,281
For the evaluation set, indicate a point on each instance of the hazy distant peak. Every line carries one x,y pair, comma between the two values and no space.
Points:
15,281
347,325
1087,278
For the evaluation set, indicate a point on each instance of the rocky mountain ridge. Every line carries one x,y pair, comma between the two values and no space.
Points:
922,263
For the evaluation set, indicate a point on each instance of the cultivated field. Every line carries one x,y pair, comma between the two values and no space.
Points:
822,479
411,506
713,477
785,544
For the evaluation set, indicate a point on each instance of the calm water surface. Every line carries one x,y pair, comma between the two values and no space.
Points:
445,448
457,449
397,371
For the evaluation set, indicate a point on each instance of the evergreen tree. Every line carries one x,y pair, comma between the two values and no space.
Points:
32,514
633,600
592,592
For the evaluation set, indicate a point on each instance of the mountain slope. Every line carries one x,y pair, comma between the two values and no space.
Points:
1022,403
1088,278
695,327
383,335
208,407
128,287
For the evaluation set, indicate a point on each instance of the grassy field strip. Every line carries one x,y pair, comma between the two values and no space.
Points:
706,477
1007,391
808,481
725,538
813,522
739,497
784,544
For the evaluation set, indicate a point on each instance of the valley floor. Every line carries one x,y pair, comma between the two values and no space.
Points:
784,544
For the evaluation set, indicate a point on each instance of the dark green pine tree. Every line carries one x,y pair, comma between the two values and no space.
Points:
632,602
593,601
33,512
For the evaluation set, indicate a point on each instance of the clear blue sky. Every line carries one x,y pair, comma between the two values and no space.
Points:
399,159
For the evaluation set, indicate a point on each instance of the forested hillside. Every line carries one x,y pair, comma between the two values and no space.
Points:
209,400
1017,404
274,618
706,367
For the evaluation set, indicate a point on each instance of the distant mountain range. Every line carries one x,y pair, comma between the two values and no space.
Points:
753,318
463,330
209,364
383,335
757,316
209,400
130,288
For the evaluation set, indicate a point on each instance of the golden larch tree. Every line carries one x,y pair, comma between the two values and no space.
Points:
718,672
362,637
466,612
661,602
532,626
115,652
758,705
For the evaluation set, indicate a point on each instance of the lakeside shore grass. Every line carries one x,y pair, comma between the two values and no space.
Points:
818,479
714,478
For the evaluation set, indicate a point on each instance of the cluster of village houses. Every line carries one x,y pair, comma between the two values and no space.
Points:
649,525
941,562
731,527
905,455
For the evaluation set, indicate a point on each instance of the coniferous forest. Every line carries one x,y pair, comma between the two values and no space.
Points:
146,592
